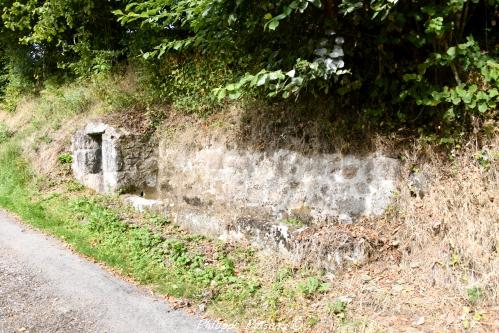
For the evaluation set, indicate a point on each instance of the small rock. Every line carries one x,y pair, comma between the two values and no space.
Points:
345,219
397,288
366,278
202,307
395,243
419,321
345,299
141,204
418,184
436,227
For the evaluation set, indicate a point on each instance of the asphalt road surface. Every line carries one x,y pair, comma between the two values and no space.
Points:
44,287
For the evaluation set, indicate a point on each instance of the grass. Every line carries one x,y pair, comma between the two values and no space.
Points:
84,221
5,133
455,226
294,221
227,279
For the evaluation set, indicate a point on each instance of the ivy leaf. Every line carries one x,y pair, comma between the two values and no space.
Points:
449,114
177,45
220,93
235,95
316,3
292,5
455,100
231,87
273,24
411,77
482,107
435,25
451,52
277,75
232,19
303,7
473,88
482,96
262,80
493,93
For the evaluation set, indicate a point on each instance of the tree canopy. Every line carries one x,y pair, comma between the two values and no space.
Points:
383,57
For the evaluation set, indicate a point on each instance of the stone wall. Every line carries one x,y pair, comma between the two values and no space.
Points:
295,203
304,206
281,183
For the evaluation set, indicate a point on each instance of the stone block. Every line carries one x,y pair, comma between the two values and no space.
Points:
142,205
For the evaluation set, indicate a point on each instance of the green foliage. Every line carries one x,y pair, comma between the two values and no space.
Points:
338,307
16,74
475,294
74,186
294,221
485,158
57,35
158,220
477,95
185,81
313,285
199,272
61,102
402,62
248,35
5,133
65,158
431,65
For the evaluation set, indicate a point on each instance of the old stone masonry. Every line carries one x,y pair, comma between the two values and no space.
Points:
240,193
111,160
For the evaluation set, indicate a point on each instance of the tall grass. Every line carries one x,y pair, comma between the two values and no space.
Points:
104,237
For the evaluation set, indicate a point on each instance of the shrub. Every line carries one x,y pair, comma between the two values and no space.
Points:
431,65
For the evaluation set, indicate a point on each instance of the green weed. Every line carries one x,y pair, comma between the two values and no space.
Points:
337,307
294,221
5,133
312,285
475,294
65,158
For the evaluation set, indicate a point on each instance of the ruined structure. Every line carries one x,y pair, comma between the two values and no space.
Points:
111,160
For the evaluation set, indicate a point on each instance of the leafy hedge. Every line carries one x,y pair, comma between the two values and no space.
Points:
404,61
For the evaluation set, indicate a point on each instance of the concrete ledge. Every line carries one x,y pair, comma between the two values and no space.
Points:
145,205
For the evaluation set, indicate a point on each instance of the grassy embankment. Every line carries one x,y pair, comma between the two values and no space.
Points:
231,282
445,275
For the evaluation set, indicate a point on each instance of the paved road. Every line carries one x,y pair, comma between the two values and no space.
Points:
44,287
